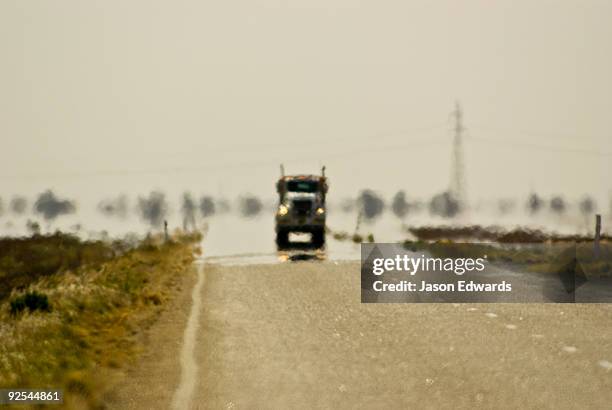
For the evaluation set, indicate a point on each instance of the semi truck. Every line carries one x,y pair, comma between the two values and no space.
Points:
301,207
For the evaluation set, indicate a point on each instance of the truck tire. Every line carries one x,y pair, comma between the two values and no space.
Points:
318,238
282,238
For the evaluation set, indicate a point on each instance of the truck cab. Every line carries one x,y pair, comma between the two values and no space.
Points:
301,207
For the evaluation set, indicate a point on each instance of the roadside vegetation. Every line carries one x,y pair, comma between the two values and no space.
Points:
72,311
355,238
473,233
551,257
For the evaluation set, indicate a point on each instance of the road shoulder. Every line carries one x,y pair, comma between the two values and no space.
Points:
151,380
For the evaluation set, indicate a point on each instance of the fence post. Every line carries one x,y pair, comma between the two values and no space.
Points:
358,224
597,234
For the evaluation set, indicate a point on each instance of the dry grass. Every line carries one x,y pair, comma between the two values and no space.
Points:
493,234
96,313
550,257
24,260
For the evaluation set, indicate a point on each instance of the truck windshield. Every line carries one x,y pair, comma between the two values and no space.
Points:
302,186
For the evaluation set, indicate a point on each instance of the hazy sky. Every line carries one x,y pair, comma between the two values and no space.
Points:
101,96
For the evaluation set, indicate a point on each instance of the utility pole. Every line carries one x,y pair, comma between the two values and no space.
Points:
597,235
457,185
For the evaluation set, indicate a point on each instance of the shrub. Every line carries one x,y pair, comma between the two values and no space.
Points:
31,300
24,260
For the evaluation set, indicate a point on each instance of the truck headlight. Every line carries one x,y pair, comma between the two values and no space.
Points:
320,211
283,210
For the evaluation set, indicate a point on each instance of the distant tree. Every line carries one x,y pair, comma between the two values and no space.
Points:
207,206
18,205
444,205
371,204
557,205
250,206
188,209
114,206
153,209
33,227
534,203
587,206
50,206
399,205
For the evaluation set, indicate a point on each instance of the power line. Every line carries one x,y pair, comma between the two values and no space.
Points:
550,135
542,147
344,154
457,178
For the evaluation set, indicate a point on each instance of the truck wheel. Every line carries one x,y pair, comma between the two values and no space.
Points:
282,238
318,238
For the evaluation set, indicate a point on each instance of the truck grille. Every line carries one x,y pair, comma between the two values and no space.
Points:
302,206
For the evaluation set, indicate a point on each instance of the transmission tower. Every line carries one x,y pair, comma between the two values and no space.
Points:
457,184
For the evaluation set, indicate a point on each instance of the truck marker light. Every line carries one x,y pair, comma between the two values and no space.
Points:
283,210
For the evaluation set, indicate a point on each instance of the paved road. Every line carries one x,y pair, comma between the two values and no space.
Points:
294,335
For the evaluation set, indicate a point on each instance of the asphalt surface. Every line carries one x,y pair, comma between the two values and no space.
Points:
295,335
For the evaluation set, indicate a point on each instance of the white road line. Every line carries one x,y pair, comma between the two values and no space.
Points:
605,364
570,349
189,367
